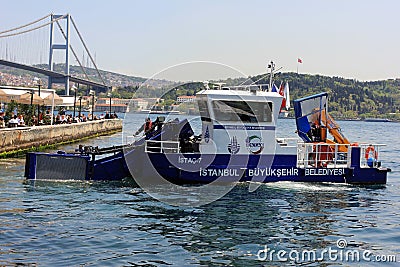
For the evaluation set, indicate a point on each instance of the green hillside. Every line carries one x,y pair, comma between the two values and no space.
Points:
348,98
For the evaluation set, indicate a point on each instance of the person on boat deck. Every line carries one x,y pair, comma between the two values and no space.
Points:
147,126
316,132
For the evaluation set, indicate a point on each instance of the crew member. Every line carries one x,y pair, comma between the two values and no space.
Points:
316,132
147,126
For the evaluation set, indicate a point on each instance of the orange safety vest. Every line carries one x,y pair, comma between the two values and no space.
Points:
148,125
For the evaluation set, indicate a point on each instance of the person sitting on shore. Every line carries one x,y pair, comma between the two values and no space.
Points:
58,119
40,118
2,120
21,121
34,120
13,122
6,117
69,119
64,119
2,123
82,118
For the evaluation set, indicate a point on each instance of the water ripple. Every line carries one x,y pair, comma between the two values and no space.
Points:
118,224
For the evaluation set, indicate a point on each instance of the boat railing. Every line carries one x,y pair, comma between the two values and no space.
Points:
168,146
132,139
370,154
288,141
323,155
244,87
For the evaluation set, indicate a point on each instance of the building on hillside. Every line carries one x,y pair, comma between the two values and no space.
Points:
114,101
185,98
119,108
117,104
139,103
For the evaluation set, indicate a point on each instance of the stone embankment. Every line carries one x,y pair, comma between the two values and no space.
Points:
29,138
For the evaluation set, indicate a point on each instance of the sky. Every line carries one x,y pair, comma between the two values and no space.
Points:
347,38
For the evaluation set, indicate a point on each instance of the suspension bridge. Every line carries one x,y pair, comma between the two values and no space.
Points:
36,47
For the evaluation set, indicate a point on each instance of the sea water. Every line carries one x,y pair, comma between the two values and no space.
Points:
118,224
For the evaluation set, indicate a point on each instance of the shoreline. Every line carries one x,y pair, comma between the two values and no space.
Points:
18,141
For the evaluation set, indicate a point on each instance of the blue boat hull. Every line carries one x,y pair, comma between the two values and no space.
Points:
194,168
200,168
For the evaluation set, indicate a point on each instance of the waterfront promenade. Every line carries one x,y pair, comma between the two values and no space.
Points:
31,138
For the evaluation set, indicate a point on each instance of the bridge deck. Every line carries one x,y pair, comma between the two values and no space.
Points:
52,74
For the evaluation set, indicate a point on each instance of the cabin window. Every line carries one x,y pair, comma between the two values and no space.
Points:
203,109
244,111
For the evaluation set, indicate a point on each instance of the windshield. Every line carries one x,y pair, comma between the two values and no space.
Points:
244,111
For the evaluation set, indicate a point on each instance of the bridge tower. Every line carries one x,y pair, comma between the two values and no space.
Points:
63,46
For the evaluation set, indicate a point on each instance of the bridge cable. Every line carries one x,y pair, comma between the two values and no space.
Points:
38,27
72,50
26,25
87,50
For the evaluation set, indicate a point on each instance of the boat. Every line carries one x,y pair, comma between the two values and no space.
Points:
159,112
283,115
164,112
238,143
376,120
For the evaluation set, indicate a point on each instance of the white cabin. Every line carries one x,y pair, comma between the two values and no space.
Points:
238,120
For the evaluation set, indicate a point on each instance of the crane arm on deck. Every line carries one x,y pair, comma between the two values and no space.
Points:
334,129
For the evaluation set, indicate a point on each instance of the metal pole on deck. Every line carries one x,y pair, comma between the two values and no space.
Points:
271,66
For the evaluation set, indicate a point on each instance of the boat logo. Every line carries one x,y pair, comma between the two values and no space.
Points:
233,146
207,135
254,144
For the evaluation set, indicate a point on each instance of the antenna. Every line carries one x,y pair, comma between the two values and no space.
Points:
219,85
271,66
205,83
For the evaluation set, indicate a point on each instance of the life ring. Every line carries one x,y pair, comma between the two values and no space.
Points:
371,153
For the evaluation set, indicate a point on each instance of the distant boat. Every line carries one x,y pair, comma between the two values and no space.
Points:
159,112
171,112
144,111
283,115
376,120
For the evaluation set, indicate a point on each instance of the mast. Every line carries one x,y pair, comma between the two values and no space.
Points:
271,66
